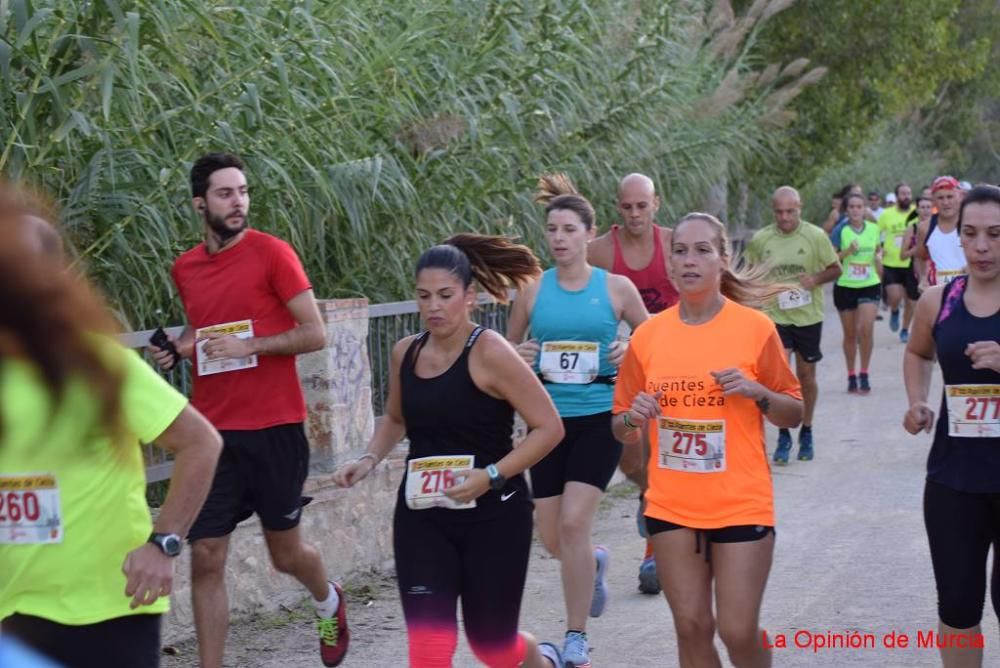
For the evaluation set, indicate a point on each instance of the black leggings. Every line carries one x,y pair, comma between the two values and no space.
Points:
960,528
132,641
440,557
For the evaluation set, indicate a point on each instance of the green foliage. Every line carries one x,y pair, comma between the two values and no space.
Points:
964,118
895,154
371,129
886,60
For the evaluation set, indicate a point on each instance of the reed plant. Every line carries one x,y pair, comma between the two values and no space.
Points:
371,129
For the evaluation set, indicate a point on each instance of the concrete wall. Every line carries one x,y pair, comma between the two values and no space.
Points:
352,528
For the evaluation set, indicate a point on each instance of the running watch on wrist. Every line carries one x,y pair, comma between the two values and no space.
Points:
497,481
169,543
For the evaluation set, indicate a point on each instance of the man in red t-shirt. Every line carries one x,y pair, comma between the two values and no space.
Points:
250,311
640,250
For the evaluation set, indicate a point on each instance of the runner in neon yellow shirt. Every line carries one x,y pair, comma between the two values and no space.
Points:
898,278
85,571
857,292
800,253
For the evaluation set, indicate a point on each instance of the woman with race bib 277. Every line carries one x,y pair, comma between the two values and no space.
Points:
959,323
700,377
572,313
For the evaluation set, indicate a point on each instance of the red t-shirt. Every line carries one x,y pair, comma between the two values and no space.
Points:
253,280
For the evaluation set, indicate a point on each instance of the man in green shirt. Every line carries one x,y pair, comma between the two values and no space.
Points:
897,276
797,252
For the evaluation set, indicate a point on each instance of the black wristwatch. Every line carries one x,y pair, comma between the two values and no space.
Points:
169,543
497,481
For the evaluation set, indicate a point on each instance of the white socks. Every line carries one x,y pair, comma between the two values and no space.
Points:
328,608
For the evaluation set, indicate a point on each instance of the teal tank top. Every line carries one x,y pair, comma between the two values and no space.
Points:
574,330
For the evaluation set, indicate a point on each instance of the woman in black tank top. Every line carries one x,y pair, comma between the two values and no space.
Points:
959,323
462,527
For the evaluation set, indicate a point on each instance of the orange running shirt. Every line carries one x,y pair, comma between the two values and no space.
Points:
708,464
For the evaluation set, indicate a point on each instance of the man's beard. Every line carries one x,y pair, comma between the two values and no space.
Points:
904,204
219,228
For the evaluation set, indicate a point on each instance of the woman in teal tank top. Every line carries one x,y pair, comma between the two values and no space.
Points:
572,313
857,292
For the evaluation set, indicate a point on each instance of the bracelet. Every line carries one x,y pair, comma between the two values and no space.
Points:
370,456
628,422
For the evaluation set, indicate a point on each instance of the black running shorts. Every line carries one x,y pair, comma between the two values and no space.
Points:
260,471
132,641
804,340
588,453
902,276
847,299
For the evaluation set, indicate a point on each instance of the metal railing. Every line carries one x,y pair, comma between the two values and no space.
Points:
159,463
388,323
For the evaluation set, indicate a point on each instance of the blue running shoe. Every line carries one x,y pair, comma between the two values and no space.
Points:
805,444
600,598
864,386
784,447
576,652
552,653
904,335
649,581
852,384
894,321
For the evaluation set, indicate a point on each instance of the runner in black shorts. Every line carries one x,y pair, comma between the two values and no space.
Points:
958,323
798,253
857,292
462,527
250,311
573,313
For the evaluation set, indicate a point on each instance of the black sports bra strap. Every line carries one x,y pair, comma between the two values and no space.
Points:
410,358
474,335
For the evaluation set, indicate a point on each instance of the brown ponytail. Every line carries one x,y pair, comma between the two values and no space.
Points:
496,262
558,193
746,285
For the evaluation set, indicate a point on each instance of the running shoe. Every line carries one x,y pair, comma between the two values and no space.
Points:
852,384
333,633
805,444
894,321
649,581
552,653
904,335
600,598
863,385
784,447
576,652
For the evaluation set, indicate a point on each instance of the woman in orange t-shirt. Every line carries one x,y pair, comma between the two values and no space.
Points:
700,376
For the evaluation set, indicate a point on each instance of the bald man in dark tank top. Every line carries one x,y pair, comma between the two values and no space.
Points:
640,250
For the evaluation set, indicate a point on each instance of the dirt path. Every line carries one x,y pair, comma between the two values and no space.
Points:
851,557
